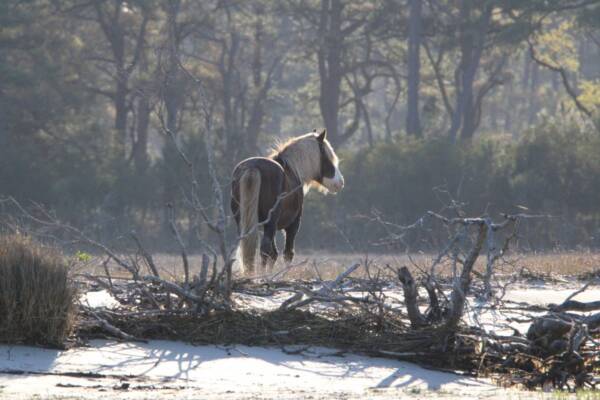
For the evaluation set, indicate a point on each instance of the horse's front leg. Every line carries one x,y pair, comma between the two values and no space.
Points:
290,236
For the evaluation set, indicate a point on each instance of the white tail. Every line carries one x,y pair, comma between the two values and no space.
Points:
249,195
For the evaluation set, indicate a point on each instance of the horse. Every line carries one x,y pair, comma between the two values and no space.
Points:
269,192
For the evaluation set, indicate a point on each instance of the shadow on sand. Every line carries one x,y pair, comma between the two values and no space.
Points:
239,366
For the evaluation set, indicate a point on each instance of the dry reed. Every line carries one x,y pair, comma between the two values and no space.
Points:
37,299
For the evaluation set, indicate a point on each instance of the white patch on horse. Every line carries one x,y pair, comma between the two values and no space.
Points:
336,183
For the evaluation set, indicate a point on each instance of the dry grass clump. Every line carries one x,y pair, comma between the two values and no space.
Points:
37,300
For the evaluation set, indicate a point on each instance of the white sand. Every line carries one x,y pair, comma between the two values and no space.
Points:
180,370
99,299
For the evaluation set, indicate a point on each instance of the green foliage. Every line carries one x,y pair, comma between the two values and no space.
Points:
82,256
557,169
400,179
554,169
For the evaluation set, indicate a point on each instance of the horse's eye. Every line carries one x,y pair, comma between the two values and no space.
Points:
327,168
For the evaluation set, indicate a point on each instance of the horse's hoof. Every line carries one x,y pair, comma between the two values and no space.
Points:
288,257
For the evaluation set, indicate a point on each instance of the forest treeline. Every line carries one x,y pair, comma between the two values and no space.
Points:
552,172
491,104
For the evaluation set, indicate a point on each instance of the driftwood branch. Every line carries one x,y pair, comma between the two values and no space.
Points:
328,292
462,285
111,329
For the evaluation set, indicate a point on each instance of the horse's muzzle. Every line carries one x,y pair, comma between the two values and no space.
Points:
335,184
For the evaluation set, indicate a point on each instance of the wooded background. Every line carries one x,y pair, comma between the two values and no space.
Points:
494,104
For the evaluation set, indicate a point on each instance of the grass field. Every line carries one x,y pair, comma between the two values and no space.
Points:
312,265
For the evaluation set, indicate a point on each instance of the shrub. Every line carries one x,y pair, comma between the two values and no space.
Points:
557,169
37,300
406,178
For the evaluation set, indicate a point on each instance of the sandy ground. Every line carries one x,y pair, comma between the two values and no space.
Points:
173,370
179,371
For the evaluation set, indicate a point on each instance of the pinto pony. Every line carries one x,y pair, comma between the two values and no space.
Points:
269,192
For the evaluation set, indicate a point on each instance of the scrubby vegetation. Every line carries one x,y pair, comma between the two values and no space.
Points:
37,300
553,169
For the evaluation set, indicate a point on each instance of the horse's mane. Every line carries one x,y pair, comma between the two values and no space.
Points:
299,154
302,155
280,146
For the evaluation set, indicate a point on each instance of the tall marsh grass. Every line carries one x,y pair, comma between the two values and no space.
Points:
37,299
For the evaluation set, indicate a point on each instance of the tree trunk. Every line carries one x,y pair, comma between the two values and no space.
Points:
172,97
533,103
140,149
494,117
330,69
413,124
475,41
232,118
257,111
121,112
472,40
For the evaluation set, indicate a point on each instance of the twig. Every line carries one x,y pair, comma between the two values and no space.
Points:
147,256
184,257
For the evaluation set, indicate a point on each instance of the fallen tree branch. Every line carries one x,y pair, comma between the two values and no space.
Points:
113,330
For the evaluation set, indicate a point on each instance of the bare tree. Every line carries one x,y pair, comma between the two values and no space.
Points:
572,91
469,30
123,26
243,55
341,34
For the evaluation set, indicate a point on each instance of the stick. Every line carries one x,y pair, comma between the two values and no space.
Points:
184,257
147,256
113,330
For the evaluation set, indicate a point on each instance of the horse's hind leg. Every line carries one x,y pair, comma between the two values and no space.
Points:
290,236
235,211
268,248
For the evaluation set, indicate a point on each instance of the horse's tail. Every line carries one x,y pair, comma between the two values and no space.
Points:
249,195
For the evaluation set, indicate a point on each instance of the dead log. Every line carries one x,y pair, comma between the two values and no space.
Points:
574,305
417,320
461,287
110,328
327,292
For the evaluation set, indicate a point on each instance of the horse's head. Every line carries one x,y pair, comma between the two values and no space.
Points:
313,160
330,176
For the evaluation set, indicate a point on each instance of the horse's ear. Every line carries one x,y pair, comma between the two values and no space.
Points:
322,136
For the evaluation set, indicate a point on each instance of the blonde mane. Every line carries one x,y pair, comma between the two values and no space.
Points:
303,156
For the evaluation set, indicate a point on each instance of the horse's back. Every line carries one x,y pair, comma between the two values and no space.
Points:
268,168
